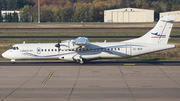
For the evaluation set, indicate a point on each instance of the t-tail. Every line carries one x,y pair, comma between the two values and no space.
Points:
159,34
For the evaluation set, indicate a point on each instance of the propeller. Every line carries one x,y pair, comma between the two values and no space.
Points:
58,45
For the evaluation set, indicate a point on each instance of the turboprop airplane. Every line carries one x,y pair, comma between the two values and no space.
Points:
80,49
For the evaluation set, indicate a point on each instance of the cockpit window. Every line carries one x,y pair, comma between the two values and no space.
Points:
14,48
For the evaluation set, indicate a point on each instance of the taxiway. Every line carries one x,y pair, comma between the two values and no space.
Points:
94,81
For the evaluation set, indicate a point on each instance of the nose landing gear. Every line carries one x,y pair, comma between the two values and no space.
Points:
12,61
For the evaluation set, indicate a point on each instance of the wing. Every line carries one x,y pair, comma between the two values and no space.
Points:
81,41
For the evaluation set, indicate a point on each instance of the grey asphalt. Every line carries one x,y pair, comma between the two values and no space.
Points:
73,37
26,81
93,63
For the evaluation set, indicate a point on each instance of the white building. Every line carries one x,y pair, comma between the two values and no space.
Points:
3,13
129,15
175,13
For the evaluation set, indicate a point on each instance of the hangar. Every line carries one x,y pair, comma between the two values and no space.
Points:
175,13
128,15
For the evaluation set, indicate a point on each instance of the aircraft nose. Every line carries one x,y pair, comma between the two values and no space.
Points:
4,54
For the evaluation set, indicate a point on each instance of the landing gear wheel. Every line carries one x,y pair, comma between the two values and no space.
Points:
81,62
12,62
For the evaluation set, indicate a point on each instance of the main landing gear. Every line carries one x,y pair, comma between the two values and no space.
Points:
80,61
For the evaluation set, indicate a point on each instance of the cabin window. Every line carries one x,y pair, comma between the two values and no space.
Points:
45,50
139,49
14,48
52,50
55,49
111,48
114,48
118,48
48,49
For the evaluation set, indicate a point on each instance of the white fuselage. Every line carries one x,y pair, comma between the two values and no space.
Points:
72,53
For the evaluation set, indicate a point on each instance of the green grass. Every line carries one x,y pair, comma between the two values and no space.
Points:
78,32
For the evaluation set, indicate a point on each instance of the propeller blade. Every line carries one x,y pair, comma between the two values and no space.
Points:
58,45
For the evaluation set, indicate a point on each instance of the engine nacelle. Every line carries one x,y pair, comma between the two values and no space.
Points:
67,57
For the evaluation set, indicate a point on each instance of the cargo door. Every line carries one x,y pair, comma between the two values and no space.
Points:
128,49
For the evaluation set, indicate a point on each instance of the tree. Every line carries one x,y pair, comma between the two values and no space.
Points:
83,12
3,4
11,4
46,14
14,4
15,17
0,16
59,15
25,13
98,11
145,5
124,3
9,17
175,7
68,13
138,3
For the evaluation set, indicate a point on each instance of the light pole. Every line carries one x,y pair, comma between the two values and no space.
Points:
39,11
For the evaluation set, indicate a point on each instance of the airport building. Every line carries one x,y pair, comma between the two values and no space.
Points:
175,13
128,15
4,12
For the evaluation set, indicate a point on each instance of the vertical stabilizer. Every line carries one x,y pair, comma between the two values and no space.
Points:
159,34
